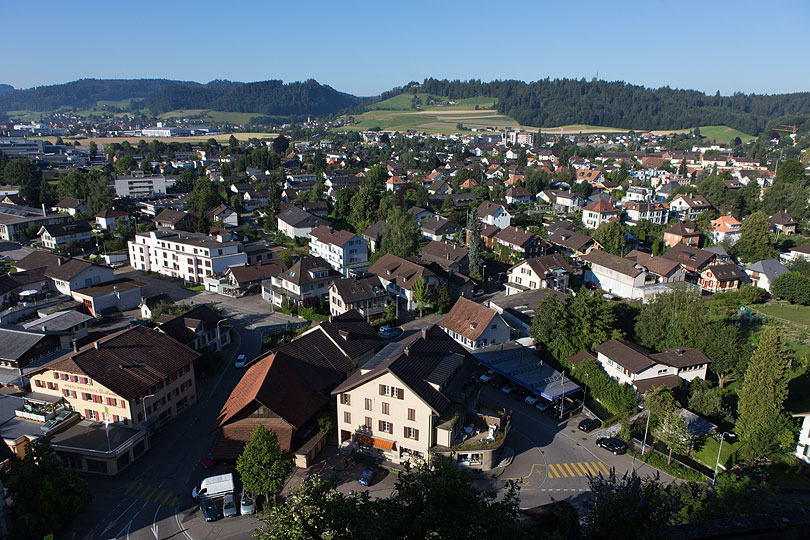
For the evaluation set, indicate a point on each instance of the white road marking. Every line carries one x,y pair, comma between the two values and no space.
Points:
180,526
112,523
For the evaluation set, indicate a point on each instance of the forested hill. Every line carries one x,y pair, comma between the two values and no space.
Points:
83,93
617,104
5,88
271,98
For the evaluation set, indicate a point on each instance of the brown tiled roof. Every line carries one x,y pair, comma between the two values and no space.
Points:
516,237
546,262
437,223
467,318
683,228
179,327
275,383
170,215
128,362
401,271
570,239
295,217
352,334
681,357
257,272
601,206
69,202
352,290
328,236
656,265
691,257
232,438
782,218
299,273
644,385
580,356
517,192
442,251
634,358
608,260
488,208
726,272
64,229
109,214
67,270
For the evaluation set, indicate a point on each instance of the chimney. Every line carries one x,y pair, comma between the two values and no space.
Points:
59,261
75,345
96,345
44,328
424,333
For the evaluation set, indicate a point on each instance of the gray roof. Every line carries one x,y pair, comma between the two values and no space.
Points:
60,321
13,427
618,264
770,267
17,342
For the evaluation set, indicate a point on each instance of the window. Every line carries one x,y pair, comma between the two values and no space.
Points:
39,383
56,375
52,386
386,427
347,417
412,415
92,415
368,404
345,399
411,433
112,401
385,409
97,399
368,422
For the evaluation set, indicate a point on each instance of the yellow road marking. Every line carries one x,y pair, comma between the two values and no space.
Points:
142,492
567,468
584,470
151,493
132,485
159,495
174,501
167,497
531,472
593,470
552,471
603,467
562,471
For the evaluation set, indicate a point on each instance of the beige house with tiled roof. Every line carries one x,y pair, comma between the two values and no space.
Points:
474,325
114,374
399,275
546,272
599,212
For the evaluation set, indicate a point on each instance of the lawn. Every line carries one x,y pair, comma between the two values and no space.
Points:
707,453
236,118
402,102
793,313
134,140
723,134
432,120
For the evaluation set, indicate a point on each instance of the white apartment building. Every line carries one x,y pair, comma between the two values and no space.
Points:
494,214
137,187
616,275
547,272
180,254
636,211
341,249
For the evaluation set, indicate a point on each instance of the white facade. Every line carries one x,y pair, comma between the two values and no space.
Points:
523,277
623,285
501,218
497,332
351,253
92,275
622,375
803,447
189,256
140,187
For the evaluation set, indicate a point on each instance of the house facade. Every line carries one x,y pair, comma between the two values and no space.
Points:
341,249
547,272
57,235
726,228
474,325
721,278
368,296
399,276
615,275
304,284
599,212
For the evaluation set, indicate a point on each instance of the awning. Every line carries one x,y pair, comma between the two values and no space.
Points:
365,440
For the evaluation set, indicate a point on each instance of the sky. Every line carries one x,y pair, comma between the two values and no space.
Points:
368,47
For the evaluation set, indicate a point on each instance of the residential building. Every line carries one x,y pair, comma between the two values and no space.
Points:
547,272
564,201
367,296
58,234
412,400
682,232
107,219
176,220
399,275
721,278
113,376
438,228
199,328
229,217
304,284
664,270
616,275
519,244
66,274
421,214
519,309
111,297
572,243
688,206
15,219
633,364
518,195
71,206
693,259
494,214
373,235
798,252
762,273
23,347
149,305
14,283
726,228
636,211
781,222
449,257
599,212
474,325
803,446
244,279
141,187
297,223
261,251
188,256
342,250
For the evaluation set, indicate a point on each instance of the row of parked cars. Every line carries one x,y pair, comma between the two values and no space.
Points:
527,396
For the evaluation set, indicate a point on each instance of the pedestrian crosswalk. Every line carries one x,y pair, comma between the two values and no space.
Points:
575,469
152,494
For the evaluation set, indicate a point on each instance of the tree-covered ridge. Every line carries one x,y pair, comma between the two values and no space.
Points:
5,88
617,104
81,93
190,95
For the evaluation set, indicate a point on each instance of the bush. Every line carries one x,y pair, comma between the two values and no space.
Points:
617,398
793,287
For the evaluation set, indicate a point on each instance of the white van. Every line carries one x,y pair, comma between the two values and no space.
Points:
214,486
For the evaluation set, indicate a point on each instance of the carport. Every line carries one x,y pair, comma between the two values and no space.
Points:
521,365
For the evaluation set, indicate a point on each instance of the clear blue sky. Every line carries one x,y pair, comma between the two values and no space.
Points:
366,47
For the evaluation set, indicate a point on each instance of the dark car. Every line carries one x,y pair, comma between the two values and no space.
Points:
612,444
590,424
367,476
591,286
567,407
496,383
208,461
209,509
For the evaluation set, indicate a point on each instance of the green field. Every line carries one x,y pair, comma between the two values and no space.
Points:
236,118
792,313
402,102
723,134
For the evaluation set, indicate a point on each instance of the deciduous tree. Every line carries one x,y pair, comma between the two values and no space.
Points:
420,293
756,241
263,466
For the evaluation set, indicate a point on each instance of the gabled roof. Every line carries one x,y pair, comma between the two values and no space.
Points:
172,216
53,266
442,251
517,237
375,231
617,264
111,214
488,208
681,357
352,290
302,272
726,224
326,235
181,327
693,201
467,318
257,272
400,271
634,358
69,202
726,272
656,265
65,229
128,362
770,267
436,224
295,217
782,218
683,228
547,262
570,239
17,342
415,363
15,280
601,206
517,192
692,257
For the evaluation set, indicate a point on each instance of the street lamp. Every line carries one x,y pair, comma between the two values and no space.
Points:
146,418
219,335
585,395
717,463
644,442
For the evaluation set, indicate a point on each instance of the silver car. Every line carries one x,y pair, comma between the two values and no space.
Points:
248,506
228,506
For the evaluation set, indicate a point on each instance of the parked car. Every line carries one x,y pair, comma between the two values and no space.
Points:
612,444
208,461
479,292
590,424
531,399
508,389
496,383
386,332
487,376
542,404
240,361
248,504
520,393
229,506
209,509
591,286
51,424
367,476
